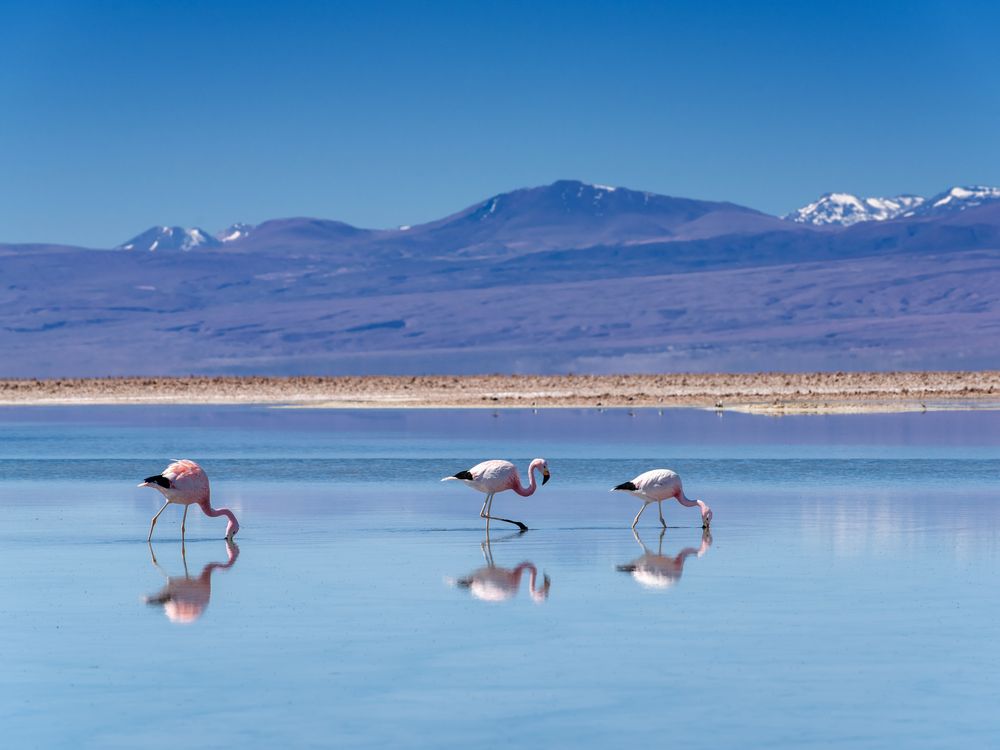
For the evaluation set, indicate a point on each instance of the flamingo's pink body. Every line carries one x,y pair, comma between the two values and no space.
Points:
185,483
663,484
491,477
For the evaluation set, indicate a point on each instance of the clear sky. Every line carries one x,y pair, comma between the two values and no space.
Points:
115,116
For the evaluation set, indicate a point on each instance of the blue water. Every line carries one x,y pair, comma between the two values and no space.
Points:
845,596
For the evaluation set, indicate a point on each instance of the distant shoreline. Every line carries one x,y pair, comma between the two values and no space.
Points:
760,393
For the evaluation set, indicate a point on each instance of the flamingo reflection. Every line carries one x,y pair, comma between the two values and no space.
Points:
184,598
659,571
495,584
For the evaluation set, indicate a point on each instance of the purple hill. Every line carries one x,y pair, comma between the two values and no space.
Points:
566,277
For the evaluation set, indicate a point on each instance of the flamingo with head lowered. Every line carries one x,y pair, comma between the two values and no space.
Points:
491,477
185,483
662,484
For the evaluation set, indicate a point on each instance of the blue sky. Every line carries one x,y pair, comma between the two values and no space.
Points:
118,115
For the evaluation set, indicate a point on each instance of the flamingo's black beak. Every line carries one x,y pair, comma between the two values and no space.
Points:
545,476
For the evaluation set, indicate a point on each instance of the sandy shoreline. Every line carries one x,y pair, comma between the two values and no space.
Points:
768,393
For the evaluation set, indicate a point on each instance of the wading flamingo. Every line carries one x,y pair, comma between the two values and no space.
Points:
184,482
661,571
184,598
493,584
662,484
491,477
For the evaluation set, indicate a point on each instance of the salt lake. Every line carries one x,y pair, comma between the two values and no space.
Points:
845,594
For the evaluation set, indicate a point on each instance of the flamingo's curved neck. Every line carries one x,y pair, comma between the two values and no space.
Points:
233,526
532,483
685,500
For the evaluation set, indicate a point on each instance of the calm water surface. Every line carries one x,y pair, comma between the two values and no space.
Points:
847,594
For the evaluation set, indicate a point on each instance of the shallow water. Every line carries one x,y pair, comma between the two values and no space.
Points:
846,594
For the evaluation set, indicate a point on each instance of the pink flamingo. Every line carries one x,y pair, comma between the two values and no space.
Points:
184,598
493,584
659,571
184,482
496,476
662,484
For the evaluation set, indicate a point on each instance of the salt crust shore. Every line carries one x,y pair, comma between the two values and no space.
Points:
764,393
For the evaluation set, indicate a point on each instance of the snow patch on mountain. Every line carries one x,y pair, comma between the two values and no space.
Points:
237,231
845,209
170,238
960,198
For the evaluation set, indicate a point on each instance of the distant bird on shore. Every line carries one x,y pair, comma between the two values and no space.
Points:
491,477
662,484
185,483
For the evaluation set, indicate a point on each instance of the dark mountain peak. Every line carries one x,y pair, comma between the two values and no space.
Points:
300,233
310,226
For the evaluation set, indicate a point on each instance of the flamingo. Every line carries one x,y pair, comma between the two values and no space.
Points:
184,598
661,571
184,482
493,584
491,477
662,484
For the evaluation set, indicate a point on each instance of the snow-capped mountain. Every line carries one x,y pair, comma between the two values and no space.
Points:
157,239
958,199
237,231
844,209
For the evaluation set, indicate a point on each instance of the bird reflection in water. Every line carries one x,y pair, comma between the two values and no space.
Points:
495,584
184,598
659,571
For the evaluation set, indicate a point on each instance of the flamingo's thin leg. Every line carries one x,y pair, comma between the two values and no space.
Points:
485,513
519,525
639,514
154,520
662,522
184,520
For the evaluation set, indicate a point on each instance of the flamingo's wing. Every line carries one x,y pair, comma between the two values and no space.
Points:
492,471
657,482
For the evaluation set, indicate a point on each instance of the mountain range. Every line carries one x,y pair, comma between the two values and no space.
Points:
570,213
564,277
844,209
